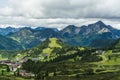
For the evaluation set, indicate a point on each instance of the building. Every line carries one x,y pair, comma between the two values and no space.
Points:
100,52
25,74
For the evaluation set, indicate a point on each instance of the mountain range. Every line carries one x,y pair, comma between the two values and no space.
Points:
94,35
8,30
89,35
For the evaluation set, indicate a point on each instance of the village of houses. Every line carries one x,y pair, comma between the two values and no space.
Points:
13,66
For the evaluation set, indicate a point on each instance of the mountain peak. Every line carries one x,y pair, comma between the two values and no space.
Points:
26,28
71,26
100,23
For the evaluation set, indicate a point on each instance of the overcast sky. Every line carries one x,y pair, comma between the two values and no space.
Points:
58,13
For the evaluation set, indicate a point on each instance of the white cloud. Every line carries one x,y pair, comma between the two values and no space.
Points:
59,13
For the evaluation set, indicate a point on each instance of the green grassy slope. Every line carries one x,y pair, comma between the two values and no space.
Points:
72,63
9,44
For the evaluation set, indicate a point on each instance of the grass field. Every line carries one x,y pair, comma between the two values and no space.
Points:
53,43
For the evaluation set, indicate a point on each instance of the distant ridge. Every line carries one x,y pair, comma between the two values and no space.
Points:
89,35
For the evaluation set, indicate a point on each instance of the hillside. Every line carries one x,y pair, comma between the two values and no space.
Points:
58,60
116,46
102,43
29,37
47,48
9,44
89,64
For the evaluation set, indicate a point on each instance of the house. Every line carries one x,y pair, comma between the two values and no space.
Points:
24,59
35,59
14,66
7,62
25,74
100,52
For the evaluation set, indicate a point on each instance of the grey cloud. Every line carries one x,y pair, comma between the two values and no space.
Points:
60,13
64,8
